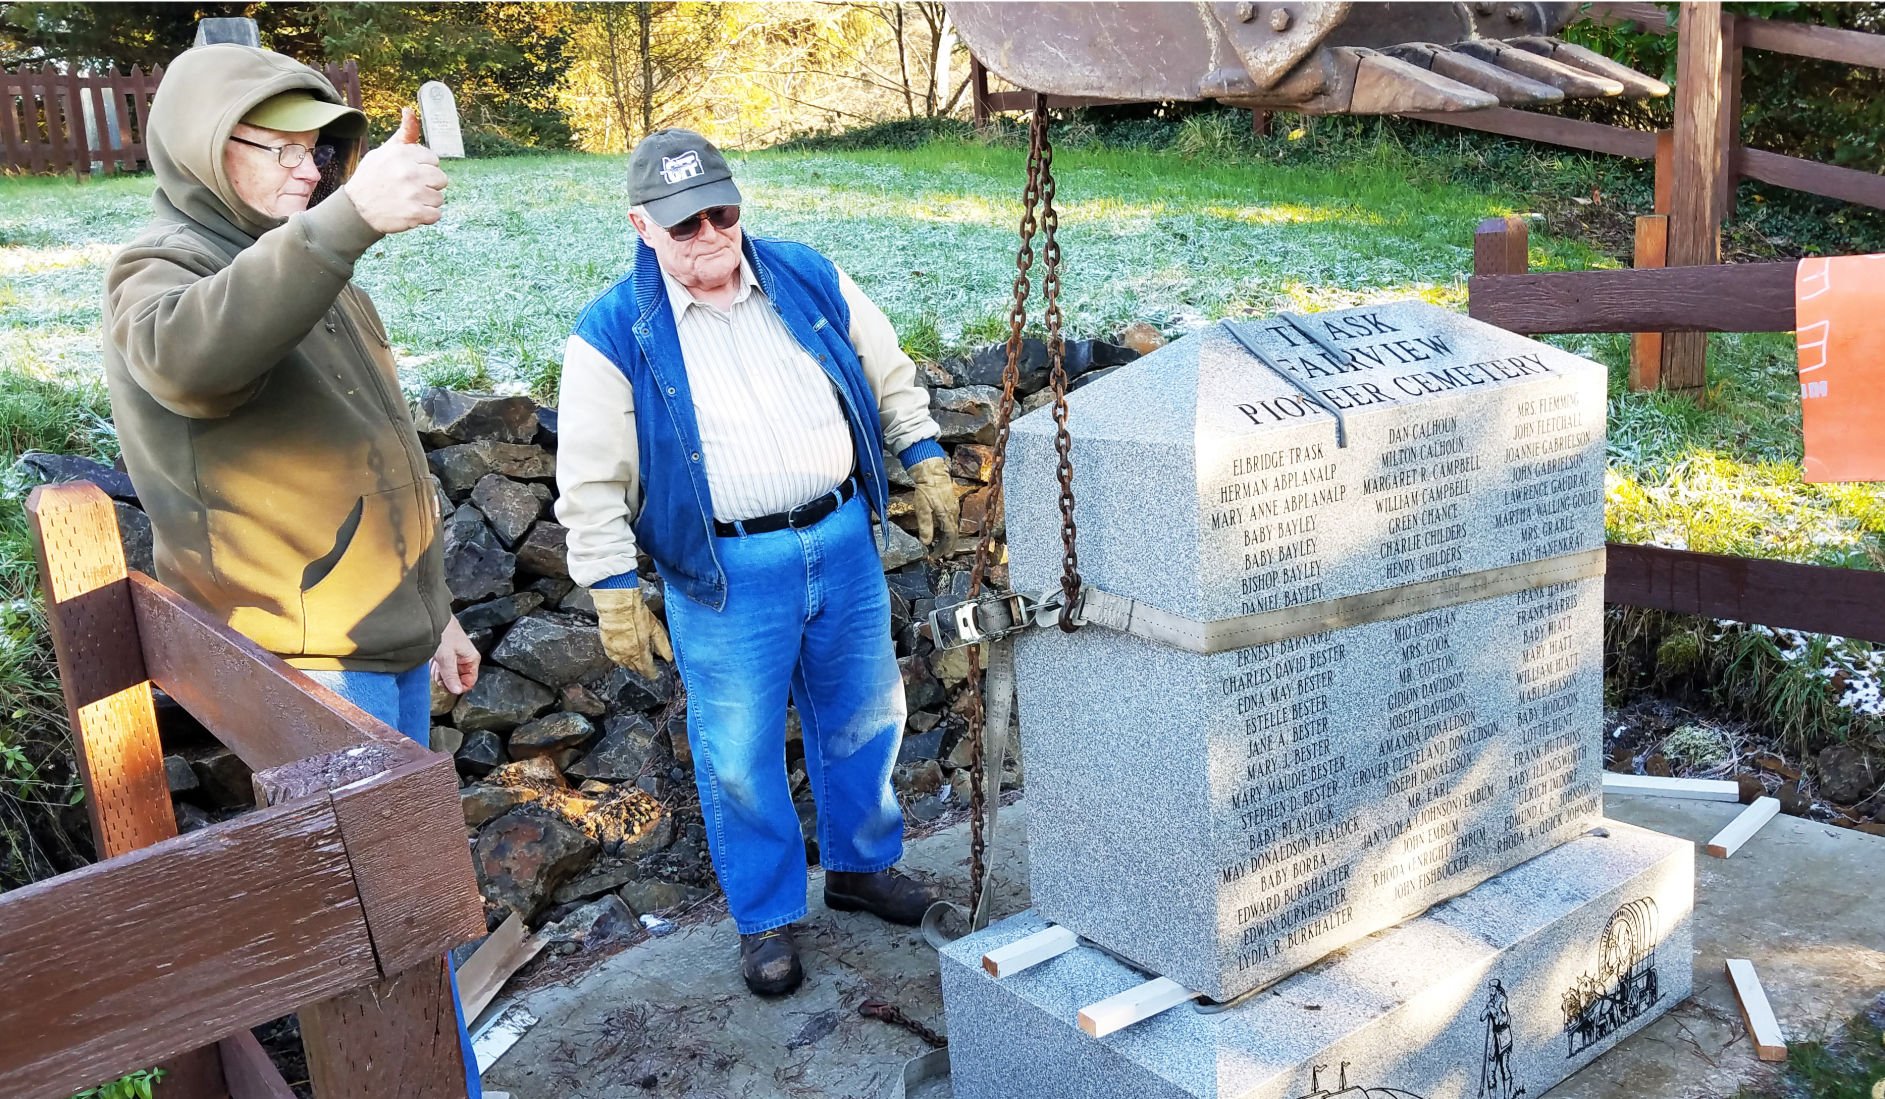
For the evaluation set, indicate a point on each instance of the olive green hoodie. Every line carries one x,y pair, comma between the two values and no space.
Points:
256,399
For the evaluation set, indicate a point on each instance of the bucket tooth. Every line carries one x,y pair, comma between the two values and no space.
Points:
1388,85
1636,85
1512,89
1573,82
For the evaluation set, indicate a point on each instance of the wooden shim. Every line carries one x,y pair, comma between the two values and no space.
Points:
395,1037
265,711
483,975
1742,828
1121,1010
247,1070
1739,297
1763,1029
1806,40
101,666
1570,132
1665,173
126,963
1697,197
1830,180
1006,961
495,1040
1697,789
1780,594
1652,250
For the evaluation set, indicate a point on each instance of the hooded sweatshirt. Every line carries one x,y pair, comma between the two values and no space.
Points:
257,402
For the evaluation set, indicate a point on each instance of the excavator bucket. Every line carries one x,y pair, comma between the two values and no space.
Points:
1319,58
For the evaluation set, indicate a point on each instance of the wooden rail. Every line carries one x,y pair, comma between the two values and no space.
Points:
1742,297
337,898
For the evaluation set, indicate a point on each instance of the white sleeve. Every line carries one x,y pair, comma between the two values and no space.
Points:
597,476
902,401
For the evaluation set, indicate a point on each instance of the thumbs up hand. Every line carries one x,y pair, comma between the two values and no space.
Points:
399,186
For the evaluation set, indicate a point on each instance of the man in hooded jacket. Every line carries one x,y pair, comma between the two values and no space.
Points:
254,388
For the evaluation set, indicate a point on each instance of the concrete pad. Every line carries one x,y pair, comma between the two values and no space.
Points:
670,1018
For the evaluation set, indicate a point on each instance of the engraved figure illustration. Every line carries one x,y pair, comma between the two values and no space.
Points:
1344,1090
1495,1072
1624,985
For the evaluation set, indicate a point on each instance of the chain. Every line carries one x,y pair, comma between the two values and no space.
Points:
892,1014
1057,376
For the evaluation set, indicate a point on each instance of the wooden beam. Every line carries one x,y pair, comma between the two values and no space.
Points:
1665,169
1694,789
1652,251
1805,40
1702,99
1763,1029
395,1037
1830,180
1140,1002
1650,17
1742,828
483,975
249,1072
1051,942
1741,297
128,962
1595,137
265,711
1779,594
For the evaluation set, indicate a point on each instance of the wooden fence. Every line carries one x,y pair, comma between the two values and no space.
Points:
52,121
337,898
1741,297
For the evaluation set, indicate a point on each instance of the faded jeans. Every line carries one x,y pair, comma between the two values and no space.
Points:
807,614
404,701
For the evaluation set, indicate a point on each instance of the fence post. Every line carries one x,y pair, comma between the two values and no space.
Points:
978,92
1646,348
1697,192
1501,246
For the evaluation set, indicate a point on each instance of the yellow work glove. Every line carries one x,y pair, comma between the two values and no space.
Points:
631,634
937,508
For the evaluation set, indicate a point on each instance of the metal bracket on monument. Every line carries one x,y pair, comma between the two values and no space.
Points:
993,616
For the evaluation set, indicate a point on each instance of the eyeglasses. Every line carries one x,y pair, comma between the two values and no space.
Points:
291,155
723,218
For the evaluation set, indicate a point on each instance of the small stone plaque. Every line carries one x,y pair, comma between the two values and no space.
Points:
237,29
438,113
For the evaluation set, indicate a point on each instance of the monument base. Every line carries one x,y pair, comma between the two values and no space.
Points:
1497,994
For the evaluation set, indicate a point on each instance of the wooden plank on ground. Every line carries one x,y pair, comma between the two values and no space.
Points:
1810,598
1845,184
1742,828
395,1037
1696,789
248,1071
178,945
1763,1028
1140,1002
1051,942
1652,250
265,711
1806,40
483,975
1700,157
1740,297
1570,132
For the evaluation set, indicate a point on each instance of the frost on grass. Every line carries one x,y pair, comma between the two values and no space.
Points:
1852,668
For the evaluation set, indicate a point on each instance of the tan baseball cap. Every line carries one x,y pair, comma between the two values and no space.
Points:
300,111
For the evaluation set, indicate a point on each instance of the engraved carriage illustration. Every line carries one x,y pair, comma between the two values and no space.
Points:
1344,1090
1624,985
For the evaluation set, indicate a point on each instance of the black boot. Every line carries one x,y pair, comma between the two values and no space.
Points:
886,894
770,962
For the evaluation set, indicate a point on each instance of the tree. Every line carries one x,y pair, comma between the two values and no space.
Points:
93,36
638,67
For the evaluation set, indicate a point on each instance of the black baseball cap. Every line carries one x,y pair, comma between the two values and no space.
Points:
675,173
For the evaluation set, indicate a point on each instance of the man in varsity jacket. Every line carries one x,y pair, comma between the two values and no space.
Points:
725,409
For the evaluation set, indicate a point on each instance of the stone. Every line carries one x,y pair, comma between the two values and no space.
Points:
239,29
476,563
445,740
625,689
438,112
1848,774
1142,338
483,802
580,600
190,818
900,549
552,589
1519,983
549,735
653,895
950,665
535,772
914,780
626,745
1292,797
500,612
447,416
442,699
579,699
987,365
966,414
920,688
921,746
674,731
460,467
509,506
628,824
546,428
972,462
42,467
524,855
179,776
482,751
544,551
604,876
137,538
555,650
500,701
224,779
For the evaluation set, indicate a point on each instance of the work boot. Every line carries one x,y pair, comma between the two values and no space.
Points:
770,962
886,894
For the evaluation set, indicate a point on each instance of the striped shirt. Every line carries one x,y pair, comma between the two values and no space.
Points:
772,432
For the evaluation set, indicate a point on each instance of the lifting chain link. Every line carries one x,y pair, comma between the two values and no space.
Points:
1039,191
886,1012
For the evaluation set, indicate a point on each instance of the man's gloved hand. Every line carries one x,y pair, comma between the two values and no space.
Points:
631,634
936,505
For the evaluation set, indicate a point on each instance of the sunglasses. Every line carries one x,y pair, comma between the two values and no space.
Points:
723,218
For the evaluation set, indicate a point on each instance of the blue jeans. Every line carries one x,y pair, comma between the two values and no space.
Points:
807,614
404,701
